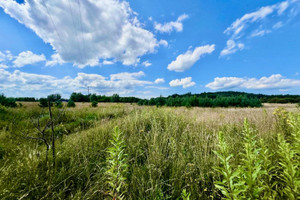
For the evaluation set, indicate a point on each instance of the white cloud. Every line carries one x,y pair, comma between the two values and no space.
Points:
6,56
231,48
170,26
55,60
108,62
19,83
126,75
163,43
82,32
282,7
146,63
275,81
28,58
159,80
189,58
258,33
2,66
184,82
238,25
261,21
278,25
157,87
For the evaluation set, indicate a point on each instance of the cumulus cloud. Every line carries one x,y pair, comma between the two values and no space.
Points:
19,83
170,26
184,82
28,58
82,32
146,63
262,21
275,81
159,80
189,58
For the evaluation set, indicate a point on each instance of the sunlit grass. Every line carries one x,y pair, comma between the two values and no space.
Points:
169,153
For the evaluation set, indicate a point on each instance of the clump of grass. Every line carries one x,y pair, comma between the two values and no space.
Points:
117,166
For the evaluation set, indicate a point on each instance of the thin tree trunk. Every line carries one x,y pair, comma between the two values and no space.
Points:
53,136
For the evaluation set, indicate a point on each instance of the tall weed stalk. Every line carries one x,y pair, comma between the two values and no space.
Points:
117,166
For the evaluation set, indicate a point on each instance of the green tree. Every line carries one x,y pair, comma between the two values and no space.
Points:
115,98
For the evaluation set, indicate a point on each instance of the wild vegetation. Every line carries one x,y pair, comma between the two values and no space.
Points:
123,151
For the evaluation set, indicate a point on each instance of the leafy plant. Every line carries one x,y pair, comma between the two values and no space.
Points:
229,185
117,166
268,178
290,169
251,164
185,195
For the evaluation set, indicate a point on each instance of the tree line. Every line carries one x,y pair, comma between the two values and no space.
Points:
206,99
194,101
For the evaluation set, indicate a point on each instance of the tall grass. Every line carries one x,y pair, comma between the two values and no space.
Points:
156,153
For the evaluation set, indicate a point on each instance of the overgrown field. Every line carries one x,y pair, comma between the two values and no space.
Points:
123,151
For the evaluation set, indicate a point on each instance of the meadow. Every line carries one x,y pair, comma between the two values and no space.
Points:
126,151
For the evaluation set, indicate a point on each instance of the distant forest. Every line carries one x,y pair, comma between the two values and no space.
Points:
206,99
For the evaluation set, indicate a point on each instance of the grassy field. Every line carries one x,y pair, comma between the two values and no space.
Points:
126,151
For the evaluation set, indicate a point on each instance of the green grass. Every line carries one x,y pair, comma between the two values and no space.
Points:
156,153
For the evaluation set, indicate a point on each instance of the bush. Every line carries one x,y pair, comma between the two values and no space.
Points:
94,104
8,102
58,104
71,103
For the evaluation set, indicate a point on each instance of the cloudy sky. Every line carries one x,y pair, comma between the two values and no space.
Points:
148,48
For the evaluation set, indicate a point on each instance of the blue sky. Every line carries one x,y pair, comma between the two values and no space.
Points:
148,48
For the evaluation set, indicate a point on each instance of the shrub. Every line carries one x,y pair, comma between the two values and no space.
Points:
71,103
58,104
2,109
8,102
94,104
